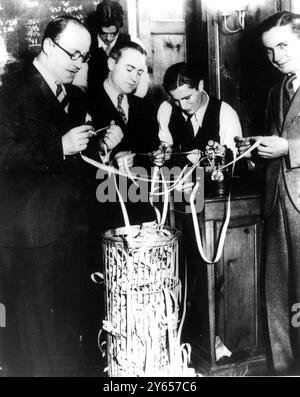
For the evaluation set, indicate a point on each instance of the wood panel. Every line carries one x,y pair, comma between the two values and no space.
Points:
233,285
168,49
236,306
239,71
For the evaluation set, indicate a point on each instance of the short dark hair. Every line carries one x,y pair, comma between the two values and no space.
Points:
183,73
117,50
281,18
55,27
108,13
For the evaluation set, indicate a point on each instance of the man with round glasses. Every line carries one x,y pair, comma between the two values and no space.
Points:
43,226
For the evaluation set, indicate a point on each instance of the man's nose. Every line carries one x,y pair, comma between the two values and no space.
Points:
78,63
110,37
183,104
277,55
134,76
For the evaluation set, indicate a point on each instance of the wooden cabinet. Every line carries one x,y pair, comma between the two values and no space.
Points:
224,299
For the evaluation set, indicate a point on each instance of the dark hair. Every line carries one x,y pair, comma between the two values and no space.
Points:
183,73
117,50
108,13
55,28
282,18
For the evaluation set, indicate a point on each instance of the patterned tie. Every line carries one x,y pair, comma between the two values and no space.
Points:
120,109
62,97
289,88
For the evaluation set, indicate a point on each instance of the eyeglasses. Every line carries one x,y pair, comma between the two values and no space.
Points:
76,55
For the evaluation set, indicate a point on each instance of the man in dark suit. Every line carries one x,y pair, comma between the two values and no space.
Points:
134,116
42,210
280,152
105,24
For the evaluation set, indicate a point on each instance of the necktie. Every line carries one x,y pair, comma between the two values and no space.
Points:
107,50
120,109
288,92
62,97
189,129
289,88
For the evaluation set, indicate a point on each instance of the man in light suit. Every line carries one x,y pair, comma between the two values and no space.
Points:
280,151
43,220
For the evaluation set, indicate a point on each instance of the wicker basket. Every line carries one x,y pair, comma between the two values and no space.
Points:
140,280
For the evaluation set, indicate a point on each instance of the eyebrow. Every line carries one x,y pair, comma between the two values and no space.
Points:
133,67
277,45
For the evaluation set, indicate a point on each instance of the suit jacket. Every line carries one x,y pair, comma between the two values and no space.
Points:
39,190
140,135
141,130
98,69
286,126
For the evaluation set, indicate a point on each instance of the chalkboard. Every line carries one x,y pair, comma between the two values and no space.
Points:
22,23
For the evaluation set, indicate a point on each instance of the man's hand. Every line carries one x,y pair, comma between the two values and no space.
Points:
243,144
272,147
77,139
112,137
124,160
161,155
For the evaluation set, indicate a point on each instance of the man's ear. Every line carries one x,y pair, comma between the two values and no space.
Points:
110,63
47,44
201,86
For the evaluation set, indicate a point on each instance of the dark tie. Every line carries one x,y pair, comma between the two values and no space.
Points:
190,129
107,50
120,109
288,92
62,97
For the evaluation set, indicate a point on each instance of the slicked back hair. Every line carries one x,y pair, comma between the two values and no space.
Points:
117,51
56,27
182,73
282,18
108,13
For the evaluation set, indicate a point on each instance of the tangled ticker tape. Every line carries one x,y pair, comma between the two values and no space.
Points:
167,190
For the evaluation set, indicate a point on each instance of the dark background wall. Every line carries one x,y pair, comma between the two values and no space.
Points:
22,23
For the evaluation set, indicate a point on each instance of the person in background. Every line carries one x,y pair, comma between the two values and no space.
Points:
105,24
43,219
279,152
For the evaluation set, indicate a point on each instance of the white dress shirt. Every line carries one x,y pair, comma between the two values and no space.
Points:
47,76
229,123
113,95
107,48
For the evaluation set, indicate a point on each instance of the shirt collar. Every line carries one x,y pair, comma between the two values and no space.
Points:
296,82
113,93
101,43
47,76
50,80
199,114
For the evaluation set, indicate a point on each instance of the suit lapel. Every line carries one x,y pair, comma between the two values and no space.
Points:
45,94
112,110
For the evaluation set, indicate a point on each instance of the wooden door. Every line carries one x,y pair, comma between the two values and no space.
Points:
237,292
160,25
